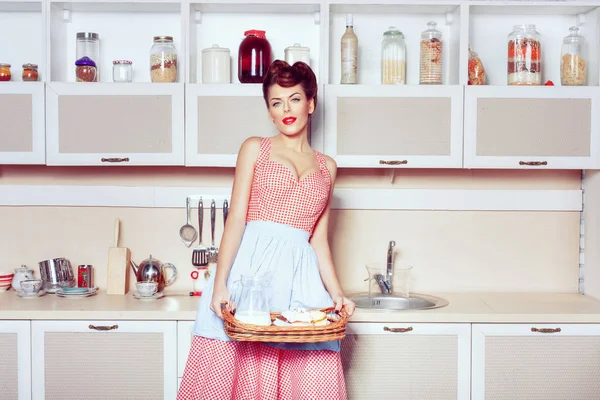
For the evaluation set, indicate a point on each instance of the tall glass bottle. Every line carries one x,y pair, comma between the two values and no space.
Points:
349,53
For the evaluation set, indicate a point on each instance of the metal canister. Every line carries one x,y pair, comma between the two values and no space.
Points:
84,276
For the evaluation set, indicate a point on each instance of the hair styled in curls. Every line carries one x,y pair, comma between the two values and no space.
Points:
286,75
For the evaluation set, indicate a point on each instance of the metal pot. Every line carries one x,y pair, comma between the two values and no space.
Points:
56,273
152,270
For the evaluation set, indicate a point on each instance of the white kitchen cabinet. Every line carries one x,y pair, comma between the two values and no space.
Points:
535,361
115,124
104,360
15,363
532,127
22,119
407,361
184,343
220,117
382,126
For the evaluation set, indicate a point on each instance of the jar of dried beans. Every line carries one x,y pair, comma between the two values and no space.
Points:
430,66
5,74
85,70
30,73
524,56
163,60
573,65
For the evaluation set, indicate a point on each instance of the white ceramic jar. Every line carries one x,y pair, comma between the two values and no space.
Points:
216,65
297,53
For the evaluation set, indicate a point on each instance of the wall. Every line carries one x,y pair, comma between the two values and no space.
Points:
449,250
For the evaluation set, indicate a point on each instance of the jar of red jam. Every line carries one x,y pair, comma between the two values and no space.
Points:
30,73
5,74
254,57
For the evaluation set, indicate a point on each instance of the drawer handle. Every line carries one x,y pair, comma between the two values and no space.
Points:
126,159
393,162
533,163
397,330
103,327
545,330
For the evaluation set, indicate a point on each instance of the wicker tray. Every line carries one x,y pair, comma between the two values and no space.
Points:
237,330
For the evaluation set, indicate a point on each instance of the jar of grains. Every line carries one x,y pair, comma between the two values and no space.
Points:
163,60
430,66
573,65
5,74
85,70
524,56
30,73
393,57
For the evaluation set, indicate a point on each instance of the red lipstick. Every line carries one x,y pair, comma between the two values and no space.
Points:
289,120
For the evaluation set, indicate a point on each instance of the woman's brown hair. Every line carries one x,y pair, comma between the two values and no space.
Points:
286,75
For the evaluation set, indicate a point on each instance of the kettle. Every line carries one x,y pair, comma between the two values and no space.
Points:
152,270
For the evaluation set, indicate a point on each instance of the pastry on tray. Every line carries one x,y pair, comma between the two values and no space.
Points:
301,317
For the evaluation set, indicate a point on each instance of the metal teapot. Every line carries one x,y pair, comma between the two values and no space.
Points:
152,270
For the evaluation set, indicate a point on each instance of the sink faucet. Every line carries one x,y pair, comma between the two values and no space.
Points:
390,265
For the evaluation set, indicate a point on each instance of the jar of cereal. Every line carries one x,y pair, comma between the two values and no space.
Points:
163,60
573,66
430,66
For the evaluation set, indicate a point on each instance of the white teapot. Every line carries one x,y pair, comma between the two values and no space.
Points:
21,274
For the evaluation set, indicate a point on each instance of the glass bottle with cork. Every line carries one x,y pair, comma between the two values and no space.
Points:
349,50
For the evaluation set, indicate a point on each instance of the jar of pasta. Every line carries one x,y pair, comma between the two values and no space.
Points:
524,56
393,57
573,64
430,66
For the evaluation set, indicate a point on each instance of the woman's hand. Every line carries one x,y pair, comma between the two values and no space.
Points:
220,296
346,303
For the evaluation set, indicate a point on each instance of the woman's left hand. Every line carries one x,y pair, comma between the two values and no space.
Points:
345,302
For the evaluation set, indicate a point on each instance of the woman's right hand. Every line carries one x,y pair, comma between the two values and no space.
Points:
220,296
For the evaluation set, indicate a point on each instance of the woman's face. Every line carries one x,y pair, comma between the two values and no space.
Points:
289,109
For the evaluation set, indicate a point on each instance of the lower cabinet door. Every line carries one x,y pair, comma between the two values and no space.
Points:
407,361
117,360
15,363
536,361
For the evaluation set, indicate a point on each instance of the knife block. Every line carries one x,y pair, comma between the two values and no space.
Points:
118,270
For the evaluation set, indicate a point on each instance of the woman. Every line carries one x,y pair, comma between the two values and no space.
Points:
277,228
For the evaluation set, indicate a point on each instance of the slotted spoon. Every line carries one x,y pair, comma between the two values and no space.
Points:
200,253
187,232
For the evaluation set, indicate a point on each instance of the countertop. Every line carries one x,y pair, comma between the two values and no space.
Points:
463,308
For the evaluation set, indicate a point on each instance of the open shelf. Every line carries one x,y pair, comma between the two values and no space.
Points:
224,24
371,20
490,24
126,32
22,33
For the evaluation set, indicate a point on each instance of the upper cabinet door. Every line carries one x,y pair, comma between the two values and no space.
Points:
531,127
394,126
219,118
115,124
22,136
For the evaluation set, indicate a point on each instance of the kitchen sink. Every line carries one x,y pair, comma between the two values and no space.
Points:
415,301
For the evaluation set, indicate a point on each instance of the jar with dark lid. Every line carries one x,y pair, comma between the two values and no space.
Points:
254,57
5,74
30,73
85,70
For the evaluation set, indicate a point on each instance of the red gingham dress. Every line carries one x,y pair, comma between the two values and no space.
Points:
282,214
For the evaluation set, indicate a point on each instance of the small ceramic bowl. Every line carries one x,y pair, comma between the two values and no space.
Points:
30,286
146,289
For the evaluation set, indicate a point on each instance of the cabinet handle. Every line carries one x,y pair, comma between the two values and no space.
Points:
126,159
397,330
393,162
533,163
545,330
103,327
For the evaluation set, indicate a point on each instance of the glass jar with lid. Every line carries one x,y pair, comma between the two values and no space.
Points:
254,57
5,74
524,56
85,70
163,60
88,45
122,71
30,73
393,57
573,63
430,65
